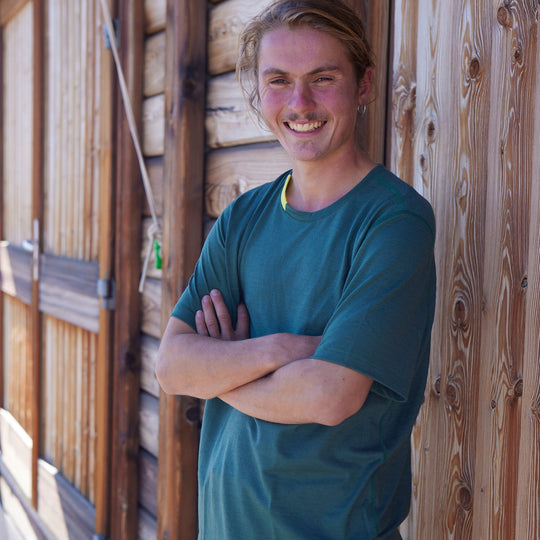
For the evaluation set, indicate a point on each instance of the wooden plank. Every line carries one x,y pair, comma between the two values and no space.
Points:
10,8
16,445
154,167
153,125
155,15
98,378
528,497
61,507
147,526
151,308
233,171
148,466
149,349
154,65
15,272
38,26
126,373
225,23
228,122
373,123
183,199
149,423
509,175
68,291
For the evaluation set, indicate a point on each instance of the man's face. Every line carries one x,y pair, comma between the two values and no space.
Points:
309,93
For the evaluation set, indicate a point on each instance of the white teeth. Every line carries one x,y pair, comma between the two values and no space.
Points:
305,128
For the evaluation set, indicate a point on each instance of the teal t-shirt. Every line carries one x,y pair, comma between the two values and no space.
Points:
361,273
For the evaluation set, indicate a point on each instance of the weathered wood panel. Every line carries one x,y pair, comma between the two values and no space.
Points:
16,447
15,272
154,167
148,425
148,467
149,349
154,126
151,308
154,65
17,376
61,508
228,121
461,130
68,290
510,152
232,171
17,128
225,23
147,529
73,130
69,390
155,12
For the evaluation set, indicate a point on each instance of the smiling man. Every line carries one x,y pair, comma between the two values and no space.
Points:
306,324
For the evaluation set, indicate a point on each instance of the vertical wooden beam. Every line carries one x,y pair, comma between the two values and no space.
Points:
126,376
182,239
1,207
37,219
106,271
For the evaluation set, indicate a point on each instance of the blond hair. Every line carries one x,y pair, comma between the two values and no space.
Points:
330,16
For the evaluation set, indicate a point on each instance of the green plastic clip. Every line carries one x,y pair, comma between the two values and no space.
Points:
157,251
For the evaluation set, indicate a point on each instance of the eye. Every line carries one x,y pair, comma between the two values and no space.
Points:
324,79
278,81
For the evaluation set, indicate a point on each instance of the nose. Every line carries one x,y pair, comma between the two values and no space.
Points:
301,98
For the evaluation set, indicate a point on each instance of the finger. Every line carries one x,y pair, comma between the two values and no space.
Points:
222,312
200,324
242,323
210,319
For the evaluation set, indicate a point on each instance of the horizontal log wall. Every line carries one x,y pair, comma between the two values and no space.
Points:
465,94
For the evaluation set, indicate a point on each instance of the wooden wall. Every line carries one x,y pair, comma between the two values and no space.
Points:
464,103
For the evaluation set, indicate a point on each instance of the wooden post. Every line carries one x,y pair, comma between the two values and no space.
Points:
126,376
106,316
182,238
37,219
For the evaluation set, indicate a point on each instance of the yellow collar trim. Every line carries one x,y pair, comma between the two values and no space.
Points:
284,192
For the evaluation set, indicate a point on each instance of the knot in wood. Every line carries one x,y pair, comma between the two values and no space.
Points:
524,282
452,394
504,17
465,498
517,55
516,391
474,68
437,385
192,414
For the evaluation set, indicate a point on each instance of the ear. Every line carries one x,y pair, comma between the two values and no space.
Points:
364,86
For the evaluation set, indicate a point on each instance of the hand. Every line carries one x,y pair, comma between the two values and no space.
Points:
214,319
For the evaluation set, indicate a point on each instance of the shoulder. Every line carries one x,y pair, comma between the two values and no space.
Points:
392,197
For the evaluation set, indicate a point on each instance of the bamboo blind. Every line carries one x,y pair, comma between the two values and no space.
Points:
465,87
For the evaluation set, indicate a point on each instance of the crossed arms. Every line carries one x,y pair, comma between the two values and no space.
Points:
271,378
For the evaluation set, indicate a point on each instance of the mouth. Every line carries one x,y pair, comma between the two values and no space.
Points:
304,127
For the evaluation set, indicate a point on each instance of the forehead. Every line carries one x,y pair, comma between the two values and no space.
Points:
302,48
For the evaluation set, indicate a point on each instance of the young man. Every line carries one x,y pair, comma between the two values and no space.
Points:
307,322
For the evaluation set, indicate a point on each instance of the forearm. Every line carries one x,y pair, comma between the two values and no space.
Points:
303,391
204,367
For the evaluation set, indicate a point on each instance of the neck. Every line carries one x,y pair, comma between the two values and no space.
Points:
316,185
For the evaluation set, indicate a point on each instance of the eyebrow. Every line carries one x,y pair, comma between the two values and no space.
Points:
320,69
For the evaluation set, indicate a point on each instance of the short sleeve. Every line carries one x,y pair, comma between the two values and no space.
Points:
213,270
381,326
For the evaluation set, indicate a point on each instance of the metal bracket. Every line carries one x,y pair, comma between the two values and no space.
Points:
106,288
116,28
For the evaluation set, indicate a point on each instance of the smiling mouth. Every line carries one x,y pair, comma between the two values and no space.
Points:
307,127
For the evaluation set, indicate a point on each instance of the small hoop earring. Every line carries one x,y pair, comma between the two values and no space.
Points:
361,109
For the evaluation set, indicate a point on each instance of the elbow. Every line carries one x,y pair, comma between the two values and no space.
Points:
334,410
163,376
